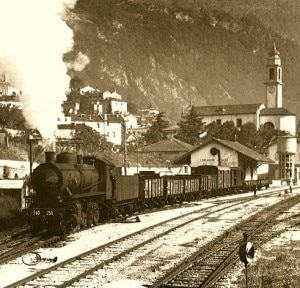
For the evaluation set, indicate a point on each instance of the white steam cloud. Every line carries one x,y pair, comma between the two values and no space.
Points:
33,40
80,62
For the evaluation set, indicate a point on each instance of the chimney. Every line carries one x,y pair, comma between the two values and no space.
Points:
50,157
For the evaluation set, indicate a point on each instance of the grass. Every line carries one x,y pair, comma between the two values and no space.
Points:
276,268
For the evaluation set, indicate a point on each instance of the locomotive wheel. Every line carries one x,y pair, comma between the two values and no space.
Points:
83,220
96,216
63,229
35,228
90,216
74,222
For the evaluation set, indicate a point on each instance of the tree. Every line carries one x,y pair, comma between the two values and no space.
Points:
76,84
226,131
267,132
86,105
12,117
249,136
155,133
190,127
92,141
229,131
213,130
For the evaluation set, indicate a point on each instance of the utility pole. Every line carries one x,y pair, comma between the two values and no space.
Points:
125,147
32,139
137,157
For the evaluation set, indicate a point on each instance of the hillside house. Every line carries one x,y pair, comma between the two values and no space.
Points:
88,89
6,89
114,106
109,126
111,95
147,116
71,106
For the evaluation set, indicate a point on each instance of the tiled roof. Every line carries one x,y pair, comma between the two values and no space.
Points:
9,99
169,145
227,109
275,111
97,118
233,145
66,126
245,151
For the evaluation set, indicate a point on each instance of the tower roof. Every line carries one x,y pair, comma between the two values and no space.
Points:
273,51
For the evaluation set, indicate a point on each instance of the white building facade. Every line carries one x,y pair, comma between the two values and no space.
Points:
272,112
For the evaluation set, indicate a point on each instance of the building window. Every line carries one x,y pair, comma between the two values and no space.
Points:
272,74
219,121
238,122
285,166
114,134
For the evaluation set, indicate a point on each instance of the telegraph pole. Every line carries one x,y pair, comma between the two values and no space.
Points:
125,148
137,157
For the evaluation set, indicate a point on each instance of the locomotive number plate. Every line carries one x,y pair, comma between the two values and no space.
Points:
49,213
42,212
36,212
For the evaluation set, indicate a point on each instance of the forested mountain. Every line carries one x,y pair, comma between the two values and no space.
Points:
168,53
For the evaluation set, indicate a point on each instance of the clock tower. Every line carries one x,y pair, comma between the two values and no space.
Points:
274,80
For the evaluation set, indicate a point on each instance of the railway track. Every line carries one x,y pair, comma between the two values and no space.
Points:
21,243
81,267
290,223
12,248
212,261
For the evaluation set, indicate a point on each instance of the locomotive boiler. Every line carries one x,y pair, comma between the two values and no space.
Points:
69,192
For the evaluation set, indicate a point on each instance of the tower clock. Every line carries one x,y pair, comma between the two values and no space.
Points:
274,80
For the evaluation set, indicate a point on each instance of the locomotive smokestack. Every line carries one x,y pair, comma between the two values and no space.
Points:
79,159
50,156
79,155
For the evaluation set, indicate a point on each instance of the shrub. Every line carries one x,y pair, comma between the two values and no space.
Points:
10,214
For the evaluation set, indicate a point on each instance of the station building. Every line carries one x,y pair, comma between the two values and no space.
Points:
218,152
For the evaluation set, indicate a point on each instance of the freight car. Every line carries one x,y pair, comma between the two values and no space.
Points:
74,191
219,180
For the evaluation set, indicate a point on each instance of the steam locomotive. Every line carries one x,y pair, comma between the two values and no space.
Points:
74,191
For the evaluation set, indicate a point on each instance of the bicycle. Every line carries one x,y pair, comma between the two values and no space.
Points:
33,258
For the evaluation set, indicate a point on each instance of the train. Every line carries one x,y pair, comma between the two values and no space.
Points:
73,192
